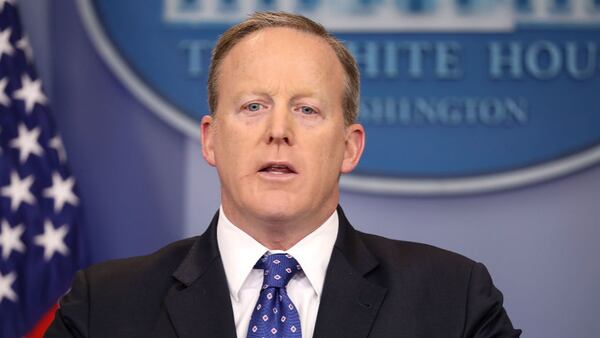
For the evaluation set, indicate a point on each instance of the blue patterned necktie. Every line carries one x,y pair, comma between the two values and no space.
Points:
274,314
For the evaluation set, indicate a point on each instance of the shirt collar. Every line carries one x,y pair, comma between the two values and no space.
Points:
239,252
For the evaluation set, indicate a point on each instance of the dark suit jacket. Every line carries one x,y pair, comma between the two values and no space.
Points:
374,287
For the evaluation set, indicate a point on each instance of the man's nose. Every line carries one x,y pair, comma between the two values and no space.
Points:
280,129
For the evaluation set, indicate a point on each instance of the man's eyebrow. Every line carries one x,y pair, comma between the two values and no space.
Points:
242,94
309,94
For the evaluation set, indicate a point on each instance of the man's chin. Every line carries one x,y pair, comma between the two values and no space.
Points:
277,213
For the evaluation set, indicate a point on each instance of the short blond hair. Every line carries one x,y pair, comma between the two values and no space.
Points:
262,20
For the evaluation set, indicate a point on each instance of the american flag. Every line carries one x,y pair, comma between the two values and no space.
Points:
40,227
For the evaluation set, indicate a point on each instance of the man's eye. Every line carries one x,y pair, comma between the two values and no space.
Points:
254,106
307,110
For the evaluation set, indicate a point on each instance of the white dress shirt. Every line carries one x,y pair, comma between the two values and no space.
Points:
239,253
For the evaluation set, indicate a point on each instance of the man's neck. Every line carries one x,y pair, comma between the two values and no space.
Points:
278,234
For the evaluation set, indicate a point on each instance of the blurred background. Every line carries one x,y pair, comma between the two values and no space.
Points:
482,117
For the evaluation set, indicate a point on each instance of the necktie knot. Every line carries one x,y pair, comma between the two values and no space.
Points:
278,269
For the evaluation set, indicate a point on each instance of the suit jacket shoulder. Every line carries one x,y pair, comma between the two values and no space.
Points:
422,265
399,255
126,272
178,291
119,297
408,289
131,280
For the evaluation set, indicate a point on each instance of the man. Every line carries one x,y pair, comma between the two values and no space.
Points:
280,259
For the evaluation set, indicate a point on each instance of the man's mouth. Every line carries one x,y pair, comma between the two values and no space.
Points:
278,168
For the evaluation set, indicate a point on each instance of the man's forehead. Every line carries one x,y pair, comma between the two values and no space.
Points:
306,59
262,43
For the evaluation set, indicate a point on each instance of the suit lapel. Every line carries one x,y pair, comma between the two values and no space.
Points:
349,303
199,304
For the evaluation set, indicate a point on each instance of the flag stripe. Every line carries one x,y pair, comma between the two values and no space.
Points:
42,325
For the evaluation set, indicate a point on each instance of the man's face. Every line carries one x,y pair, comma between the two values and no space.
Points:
278,137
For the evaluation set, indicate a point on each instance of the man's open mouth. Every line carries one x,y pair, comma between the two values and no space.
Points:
278,168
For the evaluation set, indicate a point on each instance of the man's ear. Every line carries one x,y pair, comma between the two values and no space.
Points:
355,144
207,126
